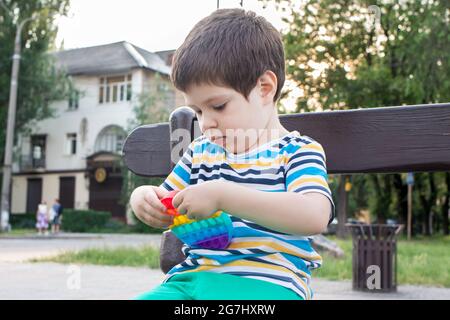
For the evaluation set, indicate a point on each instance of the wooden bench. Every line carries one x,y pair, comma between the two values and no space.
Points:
378,140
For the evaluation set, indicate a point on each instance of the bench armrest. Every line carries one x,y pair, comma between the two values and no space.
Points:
170,252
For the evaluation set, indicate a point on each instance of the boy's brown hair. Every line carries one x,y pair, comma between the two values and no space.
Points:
231,48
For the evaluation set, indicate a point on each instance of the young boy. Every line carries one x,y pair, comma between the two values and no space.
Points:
272,182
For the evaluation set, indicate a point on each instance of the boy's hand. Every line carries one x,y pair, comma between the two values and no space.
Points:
146,205
198,201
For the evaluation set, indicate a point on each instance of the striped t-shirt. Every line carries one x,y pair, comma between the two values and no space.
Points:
292,163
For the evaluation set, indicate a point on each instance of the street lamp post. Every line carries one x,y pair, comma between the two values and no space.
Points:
7,164
410,183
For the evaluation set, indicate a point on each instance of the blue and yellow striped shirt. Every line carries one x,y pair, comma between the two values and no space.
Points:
292,163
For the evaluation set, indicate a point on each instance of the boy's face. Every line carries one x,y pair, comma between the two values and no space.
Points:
226,118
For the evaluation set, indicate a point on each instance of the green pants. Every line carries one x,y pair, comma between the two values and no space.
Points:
215,286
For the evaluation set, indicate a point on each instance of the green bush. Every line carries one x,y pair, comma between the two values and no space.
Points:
115,225
22,220
84,220
111,226
140,227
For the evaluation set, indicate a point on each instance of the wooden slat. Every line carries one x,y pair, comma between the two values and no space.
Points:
381,140
146,150
378,140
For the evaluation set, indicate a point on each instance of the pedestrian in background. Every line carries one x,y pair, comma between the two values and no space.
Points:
56,218
42,218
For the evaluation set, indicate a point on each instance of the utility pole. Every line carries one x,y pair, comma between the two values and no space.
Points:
7,164
410,183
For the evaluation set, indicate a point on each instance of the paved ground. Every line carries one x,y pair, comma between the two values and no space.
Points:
22,280
342,290
47,281
17,249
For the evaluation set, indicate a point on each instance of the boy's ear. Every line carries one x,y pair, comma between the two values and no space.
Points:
267,85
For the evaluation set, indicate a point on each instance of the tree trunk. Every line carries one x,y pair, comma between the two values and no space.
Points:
376,186
446,205
427,200
341,231
433,199
385,198
402,195
382,185
426,215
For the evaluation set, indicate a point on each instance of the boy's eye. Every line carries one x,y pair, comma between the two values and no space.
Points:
219,107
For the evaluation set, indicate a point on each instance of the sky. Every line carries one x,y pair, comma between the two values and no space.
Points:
154,25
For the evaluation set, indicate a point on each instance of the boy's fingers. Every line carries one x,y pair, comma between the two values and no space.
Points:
153,212
149,220
177,200
153,200
182,210
150,217
161,192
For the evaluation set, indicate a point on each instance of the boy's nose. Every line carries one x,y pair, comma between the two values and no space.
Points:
207,123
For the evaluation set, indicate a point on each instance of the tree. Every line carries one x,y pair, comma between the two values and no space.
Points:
445,204
153,106
346,54
40,82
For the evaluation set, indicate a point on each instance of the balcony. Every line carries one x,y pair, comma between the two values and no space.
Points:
28,163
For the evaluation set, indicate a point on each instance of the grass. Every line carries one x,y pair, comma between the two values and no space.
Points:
18,232
425,262
144,256
125,229
422,261
336,269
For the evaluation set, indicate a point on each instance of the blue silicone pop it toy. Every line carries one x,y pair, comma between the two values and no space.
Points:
215,232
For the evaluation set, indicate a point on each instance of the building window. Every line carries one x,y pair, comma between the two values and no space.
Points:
101,94
71,144
167,94
115,89
38,143
74,100
163,87
110,139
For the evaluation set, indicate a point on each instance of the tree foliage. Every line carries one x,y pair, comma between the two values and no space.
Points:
346,54
151,107
40,82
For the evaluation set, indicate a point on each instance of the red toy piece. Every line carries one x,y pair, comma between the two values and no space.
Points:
167,202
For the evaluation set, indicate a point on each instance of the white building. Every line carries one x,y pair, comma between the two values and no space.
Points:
71,156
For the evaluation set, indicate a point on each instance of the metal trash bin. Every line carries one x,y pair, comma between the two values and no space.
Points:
374,256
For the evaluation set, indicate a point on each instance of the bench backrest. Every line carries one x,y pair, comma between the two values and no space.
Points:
379,140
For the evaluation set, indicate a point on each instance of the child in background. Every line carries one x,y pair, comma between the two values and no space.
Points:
42,218
271,181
